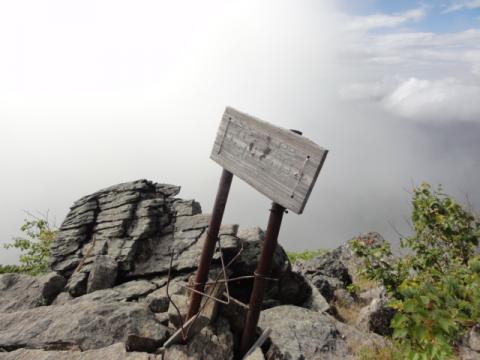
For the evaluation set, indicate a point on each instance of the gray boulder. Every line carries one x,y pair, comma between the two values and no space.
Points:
472,338
112,352
316,301
328,264
128,291
77,283
367,296
326,285
246,263
178,308
334,270
357,339
158,301
344,298
103,274
299,334
214,342
293,289
84,326
465,353
326,272
21,292
62,298
376,317
256,355
186,244
285,286
235,312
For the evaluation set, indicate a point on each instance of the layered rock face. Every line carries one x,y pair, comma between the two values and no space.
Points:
108,283
128,230
108,295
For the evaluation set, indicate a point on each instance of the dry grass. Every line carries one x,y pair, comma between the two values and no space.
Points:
384,353
348,313
362,282
376,352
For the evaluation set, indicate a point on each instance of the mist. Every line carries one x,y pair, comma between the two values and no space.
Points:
96,94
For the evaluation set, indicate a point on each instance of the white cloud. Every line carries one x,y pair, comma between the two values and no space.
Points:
443,100
412,48
421,100
376,21
421,76
462,5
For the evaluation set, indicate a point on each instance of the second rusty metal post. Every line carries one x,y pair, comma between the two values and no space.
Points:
262,271
210,242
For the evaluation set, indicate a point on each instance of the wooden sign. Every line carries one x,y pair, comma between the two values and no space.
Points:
277,162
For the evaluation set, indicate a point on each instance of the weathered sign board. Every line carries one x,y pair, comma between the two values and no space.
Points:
277,162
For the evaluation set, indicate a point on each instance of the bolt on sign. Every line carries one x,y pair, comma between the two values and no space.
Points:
279,163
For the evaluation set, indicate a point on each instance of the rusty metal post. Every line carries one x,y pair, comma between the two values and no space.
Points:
262,271
210,241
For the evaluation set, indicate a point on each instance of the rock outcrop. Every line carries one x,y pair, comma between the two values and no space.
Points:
326,272
108,295
110,261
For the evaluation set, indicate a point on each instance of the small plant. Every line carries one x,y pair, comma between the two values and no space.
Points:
435,289
353,289
34,246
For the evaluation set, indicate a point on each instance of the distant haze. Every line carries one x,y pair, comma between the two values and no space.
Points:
97,93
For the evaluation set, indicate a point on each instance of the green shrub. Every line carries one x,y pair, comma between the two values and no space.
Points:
5,269
436,287
305,255
34,246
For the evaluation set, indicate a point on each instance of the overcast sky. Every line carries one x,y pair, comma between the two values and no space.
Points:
95,93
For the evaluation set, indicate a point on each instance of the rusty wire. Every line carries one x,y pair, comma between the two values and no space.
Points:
215,283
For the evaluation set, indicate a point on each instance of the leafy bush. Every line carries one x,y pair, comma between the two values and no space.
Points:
34,246
435,288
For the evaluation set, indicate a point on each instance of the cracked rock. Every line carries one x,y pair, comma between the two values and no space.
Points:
130,230
82,326
299,334
21,292
103,274
214,342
